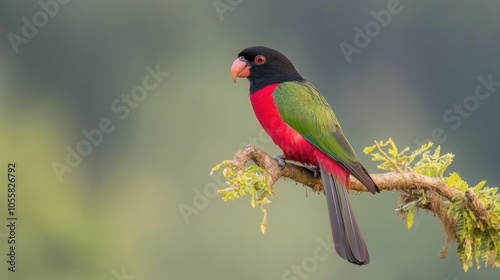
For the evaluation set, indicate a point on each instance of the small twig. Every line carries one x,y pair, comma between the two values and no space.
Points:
379,147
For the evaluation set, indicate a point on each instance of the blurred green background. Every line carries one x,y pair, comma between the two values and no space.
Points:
117,214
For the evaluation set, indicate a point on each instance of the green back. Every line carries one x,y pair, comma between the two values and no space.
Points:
304,109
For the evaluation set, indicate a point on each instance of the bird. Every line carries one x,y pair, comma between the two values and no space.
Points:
302,124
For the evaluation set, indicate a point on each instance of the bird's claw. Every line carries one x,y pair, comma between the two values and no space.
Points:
314,170
281,161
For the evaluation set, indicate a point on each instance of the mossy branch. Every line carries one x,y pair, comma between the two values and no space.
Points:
470,215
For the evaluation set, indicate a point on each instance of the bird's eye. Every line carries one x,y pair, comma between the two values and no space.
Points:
260,59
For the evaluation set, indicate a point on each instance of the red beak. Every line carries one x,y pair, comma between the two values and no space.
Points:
240,68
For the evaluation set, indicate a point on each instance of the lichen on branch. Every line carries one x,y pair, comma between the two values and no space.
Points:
470,215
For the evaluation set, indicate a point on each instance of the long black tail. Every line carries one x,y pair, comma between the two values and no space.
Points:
347,238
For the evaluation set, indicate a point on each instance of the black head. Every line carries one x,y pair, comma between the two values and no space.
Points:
263,66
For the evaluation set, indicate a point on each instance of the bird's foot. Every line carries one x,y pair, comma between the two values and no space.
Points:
281,161
314,170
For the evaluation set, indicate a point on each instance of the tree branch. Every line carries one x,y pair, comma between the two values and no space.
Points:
406,182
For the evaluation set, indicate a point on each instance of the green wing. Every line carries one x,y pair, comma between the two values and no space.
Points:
304,109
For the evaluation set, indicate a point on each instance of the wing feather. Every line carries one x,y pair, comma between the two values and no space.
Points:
305,109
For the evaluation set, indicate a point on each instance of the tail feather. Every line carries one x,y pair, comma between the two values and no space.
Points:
347,238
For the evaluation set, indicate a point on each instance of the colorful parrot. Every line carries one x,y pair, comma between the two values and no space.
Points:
299,120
